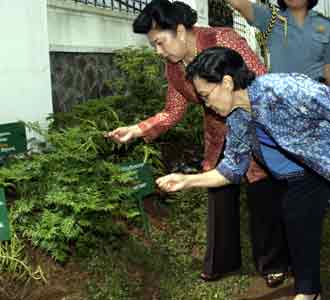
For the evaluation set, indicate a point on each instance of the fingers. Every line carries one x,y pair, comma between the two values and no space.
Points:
107,135
125,138
165,179
120,135
113,133
170,183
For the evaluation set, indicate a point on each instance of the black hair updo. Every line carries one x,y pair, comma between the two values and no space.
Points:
164,15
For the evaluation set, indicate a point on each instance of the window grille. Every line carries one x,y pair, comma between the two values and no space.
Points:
128,6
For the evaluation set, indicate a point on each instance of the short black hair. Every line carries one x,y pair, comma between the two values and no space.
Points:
166,15
283,6
214,63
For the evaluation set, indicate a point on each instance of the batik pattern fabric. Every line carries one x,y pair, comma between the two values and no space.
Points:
294,111
181,92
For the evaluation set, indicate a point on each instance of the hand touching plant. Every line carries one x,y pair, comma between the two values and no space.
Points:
124,134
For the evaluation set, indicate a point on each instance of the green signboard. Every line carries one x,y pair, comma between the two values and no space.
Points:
146,184
4,222
12,139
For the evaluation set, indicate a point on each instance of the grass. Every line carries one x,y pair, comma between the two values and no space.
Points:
168,265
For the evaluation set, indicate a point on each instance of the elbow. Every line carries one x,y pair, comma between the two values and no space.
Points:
229,177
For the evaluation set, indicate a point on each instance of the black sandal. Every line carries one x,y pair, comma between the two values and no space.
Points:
274,280
210,277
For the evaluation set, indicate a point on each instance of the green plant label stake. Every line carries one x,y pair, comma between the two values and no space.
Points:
145,187
4,222
12,139
143,171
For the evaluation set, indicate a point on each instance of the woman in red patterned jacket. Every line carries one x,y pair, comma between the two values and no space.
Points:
171,31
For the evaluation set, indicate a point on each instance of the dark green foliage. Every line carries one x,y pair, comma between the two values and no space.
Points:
73,191
142,74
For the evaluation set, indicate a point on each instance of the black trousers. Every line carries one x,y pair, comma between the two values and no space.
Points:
303,208
268,236
269,243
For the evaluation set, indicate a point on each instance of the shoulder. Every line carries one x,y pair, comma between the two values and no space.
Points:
228,37
320,23
206,32
272,11
291,85
239,120
320,16
239,114
278,80
207,36
270,83
267,80
227,32
217,36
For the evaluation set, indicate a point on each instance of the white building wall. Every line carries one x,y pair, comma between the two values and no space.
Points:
324,7
76,27
25,92
202,8
32,28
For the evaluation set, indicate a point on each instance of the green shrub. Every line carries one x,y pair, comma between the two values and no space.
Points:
73,191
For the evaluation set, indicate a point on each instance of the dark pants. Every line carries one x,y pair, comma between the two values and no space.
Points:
223,252
268,236
295,207
304,206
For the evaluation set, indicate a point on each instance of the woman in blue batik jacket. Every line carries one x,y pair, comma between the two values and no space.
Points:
284,121
296,39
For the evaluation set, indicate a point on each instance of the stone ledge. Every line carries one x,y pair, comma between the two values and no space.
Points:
82,49
72,6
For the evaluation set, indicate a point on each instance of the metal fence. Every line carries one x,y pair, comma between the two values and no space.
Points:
129,6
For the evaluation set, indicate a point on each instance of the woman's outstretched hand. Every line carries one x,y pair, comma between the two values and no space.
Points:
172,182
124,134
177,182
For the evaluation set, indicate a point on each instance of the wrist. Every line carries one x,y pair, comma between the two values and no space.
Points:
194,180
188,181
137,132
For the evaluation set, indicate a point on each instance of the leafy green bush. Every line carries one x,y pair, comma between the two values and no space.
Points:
142,80
73,191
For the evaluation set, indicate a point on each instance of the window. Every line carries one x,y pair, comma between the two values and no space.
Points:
129,6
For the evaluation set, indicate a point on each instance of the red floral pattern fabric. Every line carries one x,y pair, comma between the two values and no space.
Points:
181,92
